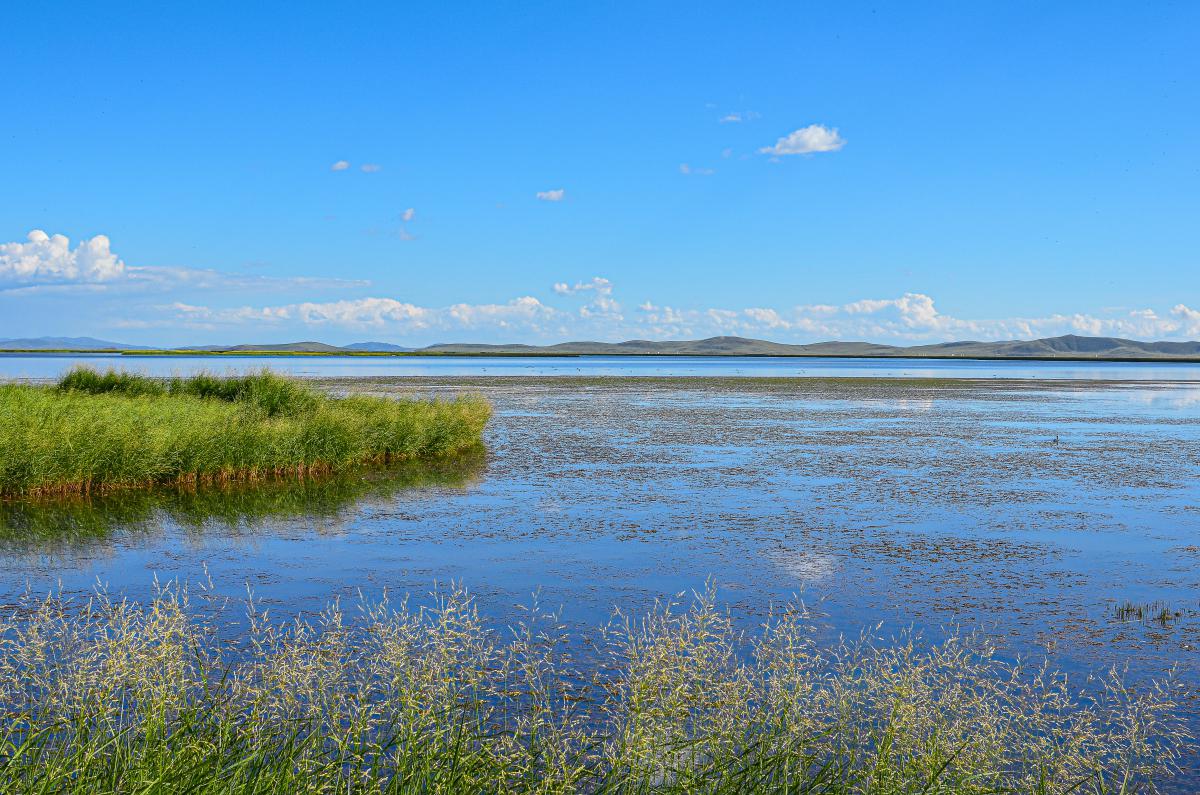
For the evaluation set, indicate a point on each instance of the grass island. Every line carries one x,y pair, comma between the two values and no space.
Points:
94,432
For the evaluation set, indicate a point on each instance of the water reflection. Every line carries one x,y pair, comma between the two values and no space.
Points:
48,527
46,365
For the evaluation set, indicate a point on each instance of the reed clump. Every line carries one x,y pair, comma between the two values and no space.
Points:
115,697
96,432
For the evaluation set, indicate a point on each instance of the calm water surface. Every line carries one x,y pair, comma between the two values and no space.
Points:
52,365
894,501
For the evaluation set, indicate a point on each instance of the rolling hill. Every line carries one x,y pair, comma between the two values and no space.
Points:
1070,346
62,344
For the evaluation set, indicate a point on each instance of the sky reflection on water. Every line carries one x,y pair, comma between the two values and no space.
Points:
53,365
895,502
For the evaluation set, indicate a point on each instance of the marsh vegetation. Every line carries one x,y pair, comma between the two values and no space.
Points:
917,503
1160,613
98,432
112,696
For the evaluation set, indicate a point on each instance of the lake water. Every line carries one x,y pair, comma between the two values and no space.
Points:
52,365
896,501
1032,509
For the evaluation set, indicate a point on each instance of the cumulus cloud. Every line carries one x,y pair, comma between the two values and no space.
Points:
48,263
908,319
50,258
911,318
602,305
806,140
551,195
370,168
340,165
1189,319
408,214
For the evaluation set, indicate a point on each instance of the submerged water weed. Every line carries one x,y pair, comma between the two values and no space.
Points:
98,432
113,696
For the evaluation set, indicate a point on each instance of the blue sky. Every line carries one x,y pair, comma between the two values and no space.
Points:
541,172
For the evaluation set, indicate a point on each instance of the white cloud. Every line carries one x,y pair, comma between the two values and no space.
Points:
370,168
1189,319
684,168
601,285
769,318
50,258
737,117
171,277
551,195
602,306
525,313
911,318
340,165
806,140
913,309
408,214
48,263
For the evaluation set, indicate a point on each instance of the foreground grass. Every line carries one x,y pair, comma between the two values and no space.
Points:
96,432
115,697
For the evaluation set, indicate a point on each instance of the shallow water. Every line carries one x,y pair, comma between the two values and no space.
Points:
1028,509
13,365
1031,509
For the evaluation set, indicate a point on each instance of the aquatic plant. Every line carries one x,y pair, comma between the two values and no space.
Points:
1159,613
112,697
98,432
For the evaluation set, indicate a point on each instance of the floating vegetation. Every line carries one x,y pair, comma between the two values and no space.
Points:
111,696
1158,613
97,432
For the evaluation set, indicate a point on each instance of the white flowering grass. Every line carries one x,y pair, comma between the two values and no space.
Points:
114,696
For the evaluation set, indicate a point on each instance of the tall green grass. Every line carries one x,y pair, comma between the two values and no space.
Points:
114,697
97,432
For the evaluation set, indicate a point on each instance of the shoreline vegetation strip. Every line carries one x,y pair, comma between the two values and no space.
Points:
116,696
94,432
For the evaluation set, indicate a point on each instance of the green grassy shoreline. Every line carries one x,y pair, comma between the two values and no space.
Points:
93,433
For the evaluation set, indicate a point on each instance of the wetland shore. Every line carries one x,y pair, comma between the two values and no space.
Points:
1056,517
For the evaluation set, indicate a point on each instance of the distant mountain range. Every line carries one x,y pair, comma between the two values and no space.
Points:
92,344
62,344
377,347
1070,346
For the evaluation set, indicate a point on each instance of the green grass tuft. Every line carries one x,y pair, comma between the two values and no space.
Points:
98,432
